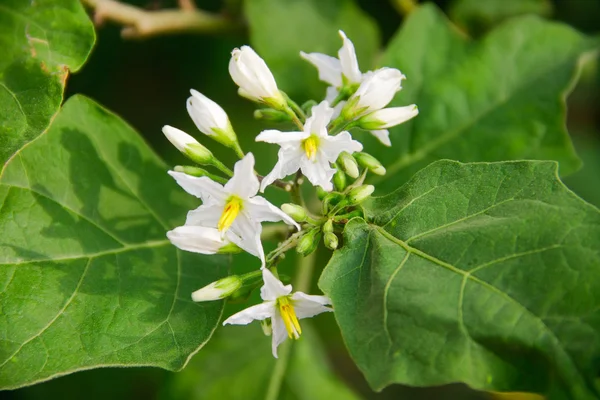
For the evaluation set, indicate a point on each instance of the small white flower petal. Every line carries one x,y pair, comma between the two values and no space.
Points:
178,138
307,306
332,146
383,135
319,119
329,68
288,162
201,187
244,182
197,239
281,138
261,210
389,117
254,313
378,89
318,172
273,287
248,230
348,60
279,332
207,214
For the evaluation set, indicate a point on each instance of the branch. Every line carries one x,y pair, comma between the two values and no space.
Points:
141,24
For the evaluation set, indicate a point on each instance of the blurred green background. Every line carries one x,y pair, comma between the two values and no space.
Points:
147,83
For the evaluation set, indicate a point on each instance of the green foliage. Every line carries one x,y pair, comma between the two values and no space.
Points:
87,277
238,365
501,98
41,42
482,273
280,29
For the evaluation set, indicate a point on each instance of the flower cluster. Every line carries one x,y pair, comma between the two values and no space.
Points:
321,149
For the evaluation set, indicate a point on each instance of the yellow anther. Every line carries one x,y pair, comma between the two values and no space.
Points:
310,146
230,212
286,309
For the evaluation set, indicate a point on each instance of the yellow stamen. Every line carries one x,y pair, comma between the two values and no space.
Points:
310,146
286,309
230,212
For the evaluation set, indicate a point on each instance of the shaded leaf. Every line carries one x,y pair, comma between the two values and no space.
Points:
87,277
482,273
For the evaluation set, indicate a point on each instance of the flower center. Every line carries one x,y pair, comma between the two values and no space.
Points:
286,309
310,146
230,212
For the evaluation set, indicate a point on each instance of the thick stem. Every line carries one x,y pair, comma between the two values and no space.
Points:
141,24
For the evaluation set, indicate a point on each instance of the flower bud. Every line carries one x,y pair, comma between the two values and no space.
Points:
195,171
211,119
188,145
374,93
272,115
331,240
339,180
295,211
218,290
309,242
328,226
321,193
255,80
348,164
388,117
358,194
370,162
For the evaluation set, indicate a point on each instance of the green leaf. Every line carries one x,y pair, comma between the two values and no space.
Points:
237,364
87,277
477,16
280,29
501,98
41,42
484,273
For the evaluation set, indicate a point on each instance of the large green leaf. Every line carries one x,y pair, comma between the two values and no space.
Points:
87,277
237,364
501,98
484,273
280,29
41,41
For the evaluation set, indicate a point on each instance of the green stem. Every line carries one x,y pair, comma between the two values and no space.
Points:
238,151
221,167
288,244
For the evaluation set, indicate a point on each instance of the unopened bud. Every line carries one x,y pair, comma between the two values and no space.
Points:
339,180
358,194
348,164
370,162
331,240
321,193
328,226
218,290
198,172
188,145
295,211
211,119
266,326
309,242
269,114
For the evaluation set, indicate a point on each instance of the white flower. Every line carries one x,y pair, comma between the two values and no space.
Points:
311,151
251,74
284,309
210,118
374,93
234,209
188,145
337,71
200,239
377,122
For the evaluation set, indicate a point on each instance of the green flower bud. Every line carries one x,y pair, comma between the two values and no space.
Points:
229,248
269,114
195,171
370,162
348,164
295,211
321,193
218,290
339,180
328,226
331,240
358,194
309,242
330,200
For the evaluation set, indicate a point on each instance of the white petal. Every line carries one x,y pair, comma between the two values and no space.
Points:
394,115
288,162
261,71
307,306
248,246
261,210
330,69
273,288
207,214
244,182
206,114
282,138
201,187
318,172
330,94
332,146
348,60
319,119
178,138
383,135
243,77
376,91
255,313
279,333
197,239
249,233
